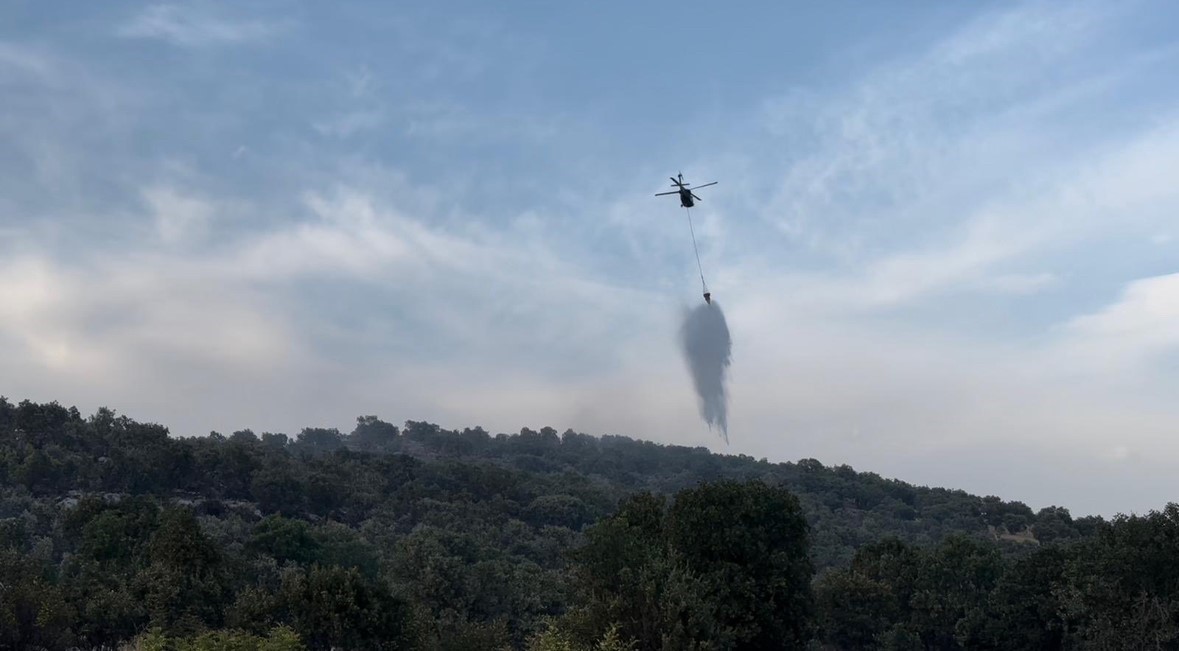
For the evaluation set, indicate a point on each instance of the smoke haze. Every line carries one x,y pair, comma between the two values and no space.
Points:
707,349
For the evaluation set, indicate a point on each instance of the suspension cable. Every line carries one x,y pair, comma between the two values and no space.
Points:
695,248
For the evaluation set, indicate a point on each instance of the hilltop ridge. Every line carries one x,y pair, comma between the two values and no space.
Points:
108,524
845,508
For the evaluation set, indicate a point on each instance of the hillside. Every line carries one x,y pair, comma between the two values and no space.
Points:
445,537
53,451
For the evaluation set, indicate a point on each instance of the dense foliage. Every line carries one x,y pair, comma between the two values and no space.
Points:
416,537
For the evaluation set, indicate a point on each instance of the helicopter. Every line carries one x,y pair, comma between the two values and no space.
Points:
687,200
686,195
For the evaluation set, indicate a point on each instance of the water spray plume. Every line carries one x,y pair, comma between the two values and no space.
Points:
707,349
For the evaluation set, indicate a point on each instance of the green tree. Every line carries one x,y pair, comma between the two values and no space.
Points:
185,586
750,539
106,605
336,607
613,570
277,489
372,433
1123,584
854,610
33,612
280,638
285,539
1025,609
320,440
275,441
951,591
725,567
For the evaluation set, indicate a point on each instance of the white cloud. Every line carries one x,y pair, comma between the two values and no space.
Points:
1017,283
36,307
360,82
920,145
189,26
18,60
102,318
178,218
448,121
1142,324
954,171
350,123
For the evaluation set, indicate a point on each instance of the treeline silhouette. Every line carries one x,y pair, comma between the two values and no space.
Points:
112,532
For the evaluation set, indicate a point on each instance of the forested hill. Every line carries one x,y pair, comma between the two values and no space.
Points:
51,450
845,508
427,538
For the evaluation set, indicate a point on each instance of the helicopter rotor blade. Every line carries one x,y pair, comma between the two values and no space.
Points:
705,185
694,196
660,194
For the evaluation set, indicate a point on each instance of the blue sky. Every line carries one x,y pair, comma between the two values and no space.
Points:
944,233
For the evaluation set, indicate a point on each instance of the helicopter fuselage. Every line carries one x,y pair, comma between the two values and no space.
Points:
686,198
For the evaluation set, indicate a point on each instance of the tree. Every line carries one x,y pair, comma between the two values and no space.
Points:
854,610
554,638
726,566
1024,609
335,607
869,602
244,437
951,591
752,539
185,587
278,490
372,433
33,612
275,441
1123,584
559,510
320,440
285,539
280,638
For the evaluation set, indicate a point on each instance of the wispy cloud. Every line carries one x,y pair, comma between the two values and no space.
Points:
917,141
350,123
18,60
234,309
178,218
1141,325
952,170
194,25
